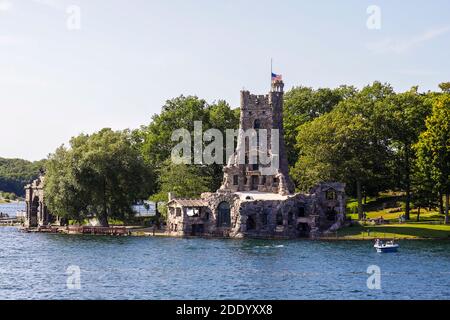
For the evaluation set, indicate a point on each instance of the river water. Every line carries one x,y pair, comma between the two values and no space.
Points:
12,208
34,266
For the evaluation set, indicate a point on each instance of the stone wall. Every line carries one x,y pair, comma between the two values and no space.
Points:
300,215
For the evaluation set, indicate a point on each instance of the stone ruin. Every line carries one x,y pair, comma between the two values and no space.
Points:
36,211
253,200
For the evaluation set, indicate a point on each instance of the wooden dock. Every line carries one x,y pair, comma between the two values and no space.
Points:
110,231
106,231
9,221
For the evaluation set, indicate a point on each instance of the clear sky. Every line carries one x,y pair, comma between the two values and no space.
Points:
129,57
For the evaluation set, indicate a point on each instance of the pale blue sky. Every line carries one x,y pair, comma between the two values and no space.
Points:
130,56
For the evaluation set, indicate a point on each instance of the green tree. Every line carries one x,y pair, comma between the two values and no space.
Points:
16,173
304,104
433,148
177,113
102,174
423,191
348,144
404,115
185,181
221,117
445,87
180,113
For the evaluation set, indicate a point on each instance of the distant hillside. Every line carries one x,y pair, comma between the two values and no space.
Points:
16,173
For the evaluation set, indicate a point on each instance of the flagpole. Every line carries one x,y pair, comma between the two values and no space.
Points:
271,71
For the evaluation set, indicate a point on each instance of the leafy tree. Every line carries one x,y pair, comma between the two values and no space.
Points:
445,87
303,104
404,115
177,113
222,117
185,181
180,113
433,148
348,144
102,174
423,192
16,173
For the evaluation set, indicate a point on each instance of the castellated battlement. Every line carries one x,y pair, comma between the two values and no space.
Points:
252,101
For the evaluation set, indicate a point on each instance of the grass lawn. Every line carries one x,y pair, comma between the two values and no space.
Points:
397,231
429,226
425,216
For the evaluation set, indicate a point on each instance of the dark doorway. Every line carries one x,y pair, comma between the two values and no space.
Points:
197,229
34,212
223,215
331,214
279,219
251,223
303,230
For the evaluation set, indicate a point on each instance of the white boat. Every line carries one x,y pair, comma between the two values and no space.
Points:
388,246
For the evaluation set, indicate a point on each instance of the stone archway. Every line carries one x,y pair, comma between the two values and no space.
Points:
33,212
37,214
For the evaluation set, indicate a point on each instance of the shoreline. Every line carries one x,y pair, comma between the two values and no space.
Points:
132,233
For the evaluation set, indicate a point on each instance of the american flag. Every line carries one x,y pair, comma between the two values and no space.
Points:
276,77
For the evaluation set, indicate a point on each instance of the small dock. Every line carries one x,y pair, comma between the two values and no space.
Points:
89,230
9,221
109,231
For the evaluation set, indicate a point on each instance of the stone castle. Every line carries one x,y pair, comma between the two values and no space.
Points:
253,200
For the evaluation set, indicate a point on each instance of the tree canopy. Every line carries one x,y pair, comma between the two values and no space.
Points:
101,175
433,147
16,173
181,112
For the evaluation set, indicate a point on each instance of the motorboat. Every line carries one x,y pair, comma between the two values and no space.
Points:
388,246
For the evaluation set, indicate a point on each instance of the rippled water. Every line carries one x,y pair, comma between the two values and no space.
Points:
33,266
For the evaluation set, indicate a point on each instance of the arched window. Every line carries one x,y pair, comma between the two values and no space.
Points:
301,211
331,195
223,215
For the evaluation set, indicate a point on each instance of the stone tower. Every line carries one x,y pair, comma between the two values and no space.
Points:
260,138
